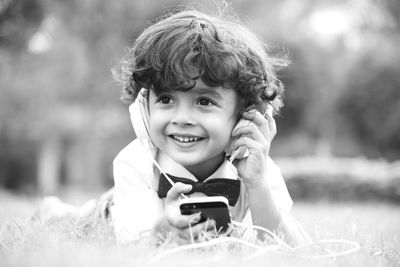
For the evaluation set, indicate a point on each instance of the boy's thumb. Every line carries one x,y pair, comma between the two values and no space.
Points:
178,189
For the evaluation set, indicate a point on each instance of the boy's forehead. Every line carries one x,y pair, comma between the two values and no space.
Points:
201,88
214,91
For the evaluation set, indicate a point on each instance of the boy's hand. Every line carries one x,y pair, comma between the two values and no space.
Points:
184,228
256,135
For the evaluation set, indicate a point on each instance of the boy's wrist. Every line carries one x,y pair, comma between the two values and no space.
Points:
255,184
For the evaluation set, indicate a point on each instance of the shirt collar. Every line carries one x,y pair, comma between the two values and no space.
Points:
168,165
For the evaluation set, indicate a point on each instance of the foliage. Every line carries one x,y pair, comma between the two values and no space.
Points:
372,108
18,20
341,179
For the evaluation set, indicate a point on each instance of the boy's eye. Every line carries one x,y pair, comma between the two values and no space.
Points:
165,99
205,102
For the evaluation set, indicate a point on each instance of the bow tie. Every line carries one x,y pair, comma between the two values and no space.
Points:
228,188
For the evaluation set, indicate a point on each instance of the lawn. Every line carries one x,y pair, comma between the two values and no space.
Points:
375,226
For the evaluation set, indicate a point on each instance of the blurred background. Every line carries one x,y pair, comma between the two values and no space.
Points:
62,123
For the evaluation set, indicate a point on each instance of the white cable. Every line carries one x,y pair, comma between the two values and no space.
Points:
220,240
146,145
277,239
209,243
355,248
260,250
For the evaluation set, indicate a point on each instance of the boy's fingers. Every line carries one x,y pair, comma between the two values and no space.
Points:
251,144
251,130
183,221
239,153
197,230
242,122
255,116
178,189
265,124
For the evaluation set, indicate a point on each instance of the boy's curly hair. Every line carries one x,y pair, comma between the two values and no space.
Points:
172,53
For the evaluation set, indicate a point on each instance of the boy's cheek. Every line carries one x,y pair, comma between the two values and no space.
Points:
156,123
156,135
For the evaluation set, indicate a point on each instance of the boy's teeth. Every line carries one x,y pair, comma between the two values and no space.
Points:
185,139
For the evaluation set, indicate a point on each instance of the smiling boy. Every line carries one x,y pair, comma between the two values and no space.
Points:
201,87
194,127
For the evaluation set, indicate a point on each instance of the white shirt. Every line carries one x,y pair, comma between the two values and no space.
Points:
136,203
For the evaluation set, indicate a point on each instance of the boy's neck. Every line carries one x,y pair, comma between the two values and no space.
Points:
204,169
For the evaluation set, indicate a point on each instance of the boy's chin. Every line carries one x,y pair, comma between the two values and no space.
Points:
186,160
192,159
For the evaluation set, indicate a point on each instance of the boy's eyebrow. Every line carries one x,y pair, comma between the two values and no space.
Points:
205,90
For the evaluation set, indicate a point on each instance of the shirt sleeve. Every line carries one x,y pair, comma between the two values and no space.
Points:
279,191
136,204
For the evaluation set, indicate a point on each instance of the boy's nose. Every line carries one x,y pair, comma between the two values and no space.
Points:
182,120
183,116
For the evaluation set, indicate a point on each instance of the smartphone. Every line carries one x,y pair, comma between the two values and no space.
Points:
214,207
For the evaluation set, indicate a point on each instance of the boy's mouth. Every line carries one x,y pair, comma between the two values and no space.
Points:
186,139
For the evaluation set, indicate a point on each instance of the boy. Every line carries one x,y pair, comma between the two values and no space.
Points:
201,87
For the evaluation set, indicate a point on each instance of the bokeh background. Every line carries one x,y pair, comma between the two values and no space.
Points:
62,123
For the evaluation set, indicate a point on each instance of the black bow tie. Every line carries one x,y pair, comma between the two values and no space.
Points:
228,188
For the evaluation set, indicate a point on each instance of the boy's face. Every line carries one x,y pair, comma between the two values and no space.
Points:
193,127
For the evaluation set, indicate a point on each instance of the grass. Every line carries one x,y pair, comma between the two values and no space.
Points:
23,242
